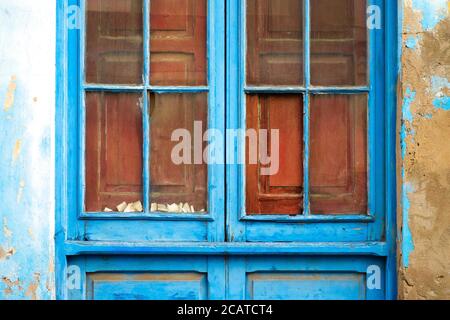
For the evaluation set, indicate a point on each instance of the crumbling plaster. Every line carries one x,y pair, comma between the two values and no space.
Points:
27,104
424,217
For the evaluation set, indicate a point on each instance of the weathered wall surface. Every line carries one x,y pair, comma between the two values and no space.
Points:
27,103
425,161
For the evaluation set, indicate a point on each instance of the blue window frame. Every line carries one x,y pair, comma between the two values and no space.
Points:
226,230
308,227
145,226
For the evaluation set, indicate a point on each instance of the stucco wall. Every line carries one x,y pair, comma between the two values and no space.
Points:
27,103
425,144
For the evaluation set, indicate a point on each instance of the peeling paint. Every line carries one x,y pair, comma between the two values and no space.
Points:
16,151
32,290
6,231
27,118
408,243
424,222
441,89
412,42
432,12
409,98
20,192
6,254
10,285
10,94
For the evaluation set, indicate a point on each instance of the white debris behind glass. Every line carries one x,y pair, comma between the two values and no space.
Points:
155,207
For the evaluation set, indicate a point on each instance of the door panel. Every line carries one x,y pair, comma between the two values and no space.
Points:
114,41
338,162
148,278
275,42
113,150
307,278
173,182
279,193
305,286
178,42
147,286
138,88
205,277
338,42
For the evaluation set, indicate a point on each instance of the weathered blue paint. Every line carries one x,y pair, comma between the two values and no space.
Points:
408,99
407,243
202,277
432,12
393,48
412,42
318,278
128,244
228,248
272,228
438,87
306,107
72,222
27,102
407,119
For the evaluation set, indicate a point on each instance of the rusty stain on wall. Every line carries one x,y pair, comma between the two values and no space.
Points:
425,161
33,287
6,253
11,285
16,150
10,93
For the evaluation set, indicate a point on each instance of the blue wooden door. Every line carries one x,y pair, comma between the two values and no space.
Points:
308,215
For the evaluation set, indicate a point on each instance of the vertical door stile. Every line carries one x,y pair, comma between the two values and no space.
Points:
306,106
146,179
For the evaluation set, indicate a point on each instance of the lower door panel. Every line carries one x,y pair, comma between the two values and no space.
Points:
145,278
307,278
219,278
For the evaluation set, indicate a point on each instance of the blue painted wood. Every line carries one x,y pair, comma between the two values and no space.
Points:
311,89
149,278
147,286
306,286
306,105
393,47
146,183
154,244
226,248
318,277
61,150
241,227
199,216
216,115
311,218
155,226
377,131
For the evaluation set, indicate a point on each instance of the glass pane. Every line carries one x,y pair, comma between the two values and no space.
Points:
338,163
113,152
178,42
274,42
114,45
274,185
338,42
178,171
